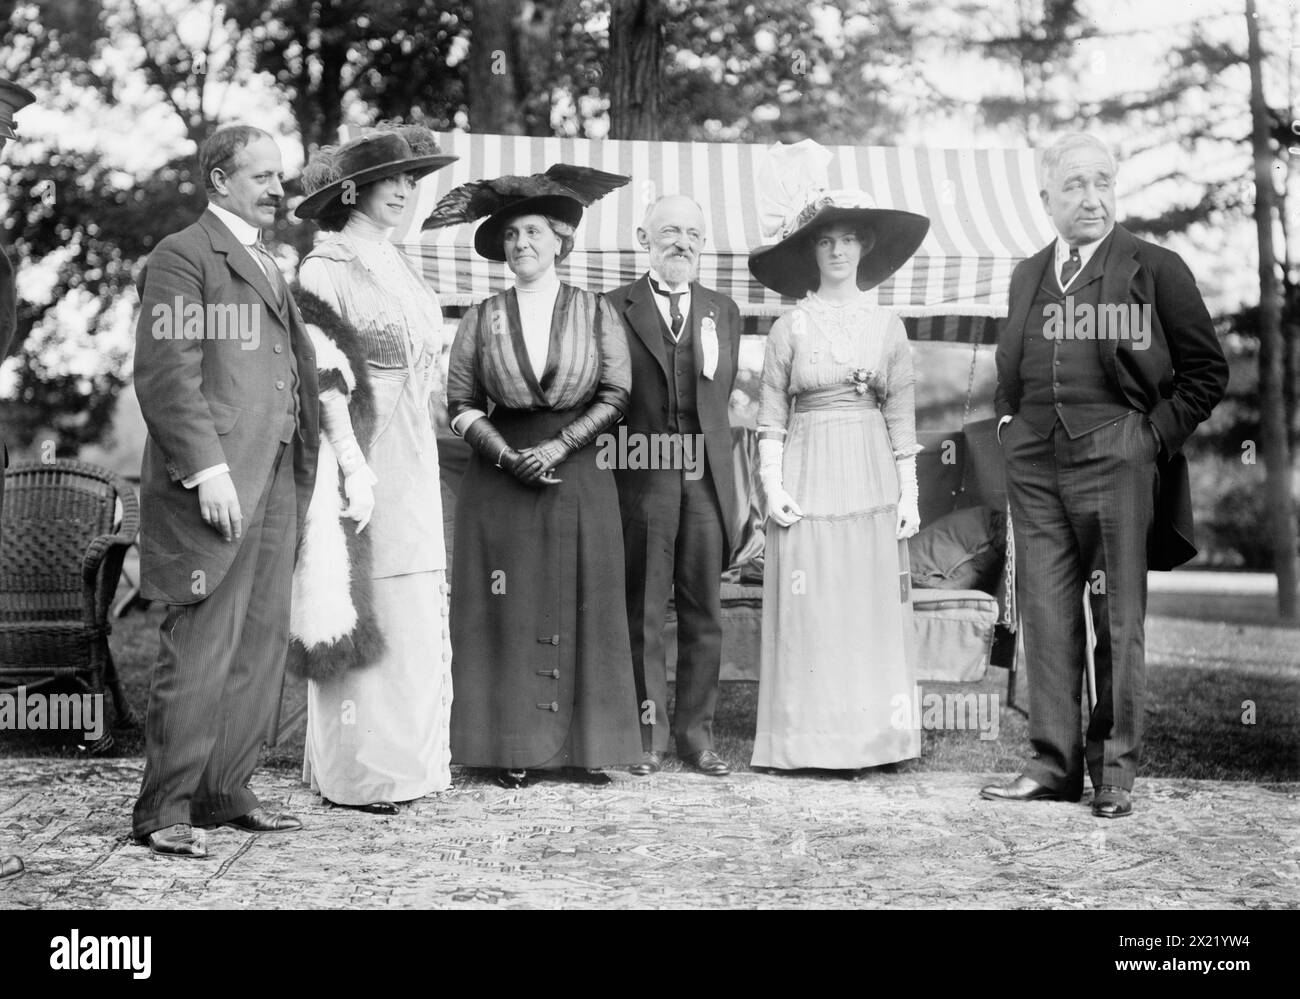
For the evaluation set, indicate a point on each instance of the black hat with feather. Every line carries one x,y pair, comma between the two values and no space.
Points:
13,99
562,192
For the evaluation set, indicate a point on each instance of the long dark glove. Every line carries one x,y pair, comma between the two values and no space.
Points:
486,439
571,439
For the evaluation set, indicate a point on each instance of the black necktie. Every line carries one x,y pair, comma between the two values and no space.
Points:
674,306
1071,267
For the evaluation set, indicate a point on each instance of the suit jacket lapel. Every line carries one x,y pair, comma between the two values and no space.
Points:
1022,298
700,304
1121,267
240,260
1116,288
643,317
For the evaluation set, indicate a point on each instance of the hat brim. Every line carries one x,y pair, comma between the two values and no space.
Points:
489,238
318,201
790,266
13,98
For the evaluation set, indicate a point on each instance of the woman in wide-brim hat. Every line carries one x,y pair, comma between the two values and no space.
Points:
341,172
889,238
369,621
543,661
837,446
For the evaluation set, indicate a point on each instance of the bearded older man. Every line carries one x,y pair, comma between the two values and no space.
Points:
678,515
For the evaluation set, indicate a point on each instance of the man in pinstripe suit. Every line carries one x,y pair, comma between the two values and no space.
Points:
1106,365
226,379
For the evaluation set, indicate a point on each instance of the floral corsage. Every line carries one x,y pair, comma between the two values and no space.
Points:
863,379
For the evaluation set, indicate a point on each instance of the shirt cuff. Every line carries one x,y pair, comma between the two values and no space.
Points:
190,481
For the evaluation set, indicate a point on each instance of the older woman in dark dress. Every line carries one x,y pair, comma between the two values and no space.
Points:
541,661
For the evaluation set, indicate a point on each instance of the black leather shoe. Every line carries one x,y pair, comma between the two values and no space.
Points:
511,780
650,763
371,807
179,840
706,761
261,820
583,775
11,866
1112,802
1025,789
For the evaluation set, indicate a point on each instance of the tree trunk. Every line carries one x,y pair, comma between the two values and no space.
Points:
1291,363
495,68
1272,355
636,44
535,45
335,43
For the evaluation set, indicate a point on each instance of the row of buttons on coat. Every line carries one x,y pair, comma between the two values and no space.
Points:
554,674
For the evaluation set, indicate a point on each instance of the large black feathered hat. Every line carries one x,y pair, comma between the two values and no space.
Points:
562,192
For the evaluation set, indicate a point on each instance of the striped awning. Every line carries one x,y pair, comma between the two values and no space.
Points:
982,204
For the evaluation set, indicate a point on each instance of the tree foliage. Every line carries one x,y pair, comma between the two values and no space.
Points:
839,71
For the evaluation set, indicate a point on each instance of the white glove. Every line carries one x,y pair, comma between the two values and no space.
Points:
349,455
359,487
909,514
358,480
781,506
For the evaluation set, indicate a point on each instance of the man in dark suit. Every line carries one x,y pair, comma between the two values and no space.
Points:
679,517
13,98
226,379
1106,365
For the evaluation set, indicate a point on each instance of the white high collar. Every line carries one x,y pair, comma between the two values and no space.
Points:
241,230
361,226
548,283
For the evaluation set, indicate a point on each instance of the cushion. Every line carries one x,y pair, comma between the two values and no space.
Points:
939,471
954,632
984,472
960,551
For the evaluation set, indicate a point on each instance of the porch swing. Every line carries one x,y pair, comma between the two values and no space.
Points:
963,629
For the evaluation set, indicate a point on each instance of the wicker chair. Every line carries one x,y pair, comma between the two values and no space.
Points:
66,528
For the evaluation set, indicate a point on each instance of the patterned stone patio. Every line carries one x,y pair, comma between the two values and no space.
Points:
671,841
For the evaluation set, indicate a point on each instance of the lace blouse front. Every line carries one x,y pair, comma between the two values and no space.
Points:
825,355
369,282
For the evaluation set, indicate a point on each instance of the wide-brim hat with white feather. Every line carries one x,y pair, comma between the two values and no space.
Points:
797,207
335,170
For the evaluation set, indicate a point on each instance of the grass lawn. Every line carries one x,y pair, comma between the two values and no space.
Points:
1223,701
